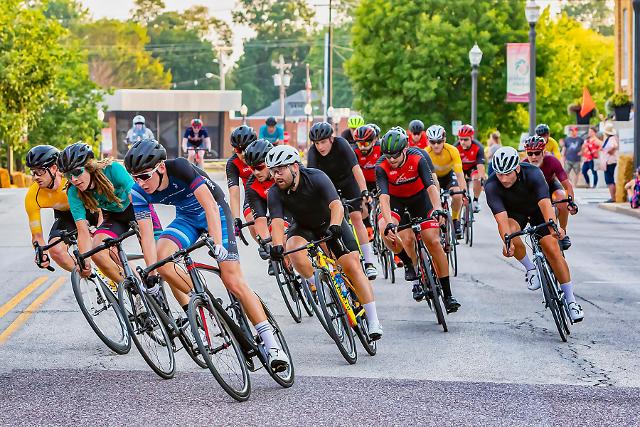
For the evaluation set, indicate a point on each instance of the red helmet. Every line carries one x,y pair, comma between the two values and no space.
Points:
364,134
196,123
534,143
466,131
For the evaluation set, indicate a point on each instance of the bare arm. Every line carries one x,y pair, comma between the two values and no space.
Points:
277,231
147,241
337,212
211,211
234,196
261,227
357,173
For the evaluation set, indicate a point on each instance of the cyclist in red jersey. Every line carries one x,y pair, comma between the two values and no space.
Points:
472,155
368,152
559,183
238,170
406,184
417,135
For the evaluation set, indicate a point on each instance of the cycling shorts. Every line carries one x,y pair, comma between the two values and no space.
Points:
535,219
63,222
349,240
348,189
191,144
116,223
448,181
418,206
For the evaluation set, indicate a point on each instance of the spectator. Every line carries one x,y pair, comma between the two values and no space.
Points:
139,131
571,150
271,132
493,144
633,190
589,154
609,159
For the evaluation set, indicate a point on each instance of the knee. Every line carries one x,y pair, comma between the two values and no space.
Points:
58,253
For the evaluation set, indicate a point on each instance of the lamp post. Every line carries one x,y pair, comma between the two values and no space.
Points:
636,83
532,12
475,56
308,110
243,112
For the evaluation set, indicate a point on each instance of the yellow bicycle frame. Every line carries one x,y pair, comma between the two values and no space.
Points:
323,261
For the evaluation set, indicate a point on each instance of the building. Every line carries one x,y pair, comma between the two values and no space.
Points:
167,114
624,58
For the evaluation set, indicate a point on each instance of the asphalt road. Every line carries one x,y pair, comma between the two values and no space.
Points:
502,363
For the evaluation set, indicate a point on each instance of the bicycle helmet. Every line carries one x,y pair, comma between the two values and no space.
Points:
320,131
271,121
534,143
282,155
74,156
138,119
355,122
145,154
196,123
416,127
364,134
542,129
42,156
242,136
393,142
466,131
256,152
505,160
436,133
375,128
400,129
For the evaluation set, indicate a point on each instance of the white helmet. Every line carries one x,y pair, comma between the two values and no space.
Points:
138,119
505,160
436,133
399,129
282,155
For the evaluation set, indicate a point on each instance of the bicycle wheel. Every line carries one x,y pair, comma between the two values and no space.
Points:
147,330
288,292
391,265
102,311
362,331
302,296
472,219
219,348
465,222
434,292
384,262
552,299
336,319
453,252
312,299
286,377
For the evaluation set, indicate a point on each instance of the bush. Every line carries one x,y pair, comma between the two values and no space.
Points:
619,100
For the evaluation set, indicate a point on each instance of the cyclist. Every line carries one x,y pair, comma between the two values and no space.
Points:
517,194
48,191
271,132
192,141
353,123
98,186
367,151
406,184
238,170
552,145
334,156
139,131
559,184
448,167
376,130
313,202
418,136
472,156
200,207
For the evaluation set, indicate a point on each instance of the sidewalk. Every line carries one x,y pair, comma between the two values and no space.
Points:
599,195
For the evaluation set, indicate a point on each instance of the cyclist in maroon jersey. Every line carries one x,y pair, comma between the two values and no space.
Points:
472,155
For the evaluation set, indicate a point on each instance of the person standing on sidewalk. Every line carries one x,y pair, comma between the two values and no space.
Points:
609,159
493,144
571,153
590,152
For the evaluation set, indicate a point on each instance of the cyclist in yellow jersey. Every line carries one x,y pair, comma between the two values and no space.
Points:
48,191
447,165
552,145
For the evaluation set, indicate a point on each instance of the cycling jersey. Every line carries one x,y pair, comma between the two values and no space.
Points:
422,142
193,139
447,161
190,221
471,157
134,134
552,169
368,162
554,148
43,198
413,176
255,193
346,134
236,170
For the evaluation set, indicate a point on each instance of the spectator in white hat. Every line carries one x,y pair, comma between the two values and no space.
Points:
609,159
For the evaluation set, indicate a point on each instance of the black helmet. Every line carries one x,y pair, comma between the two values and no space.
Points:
416,127
271,121
256,152
145,154
393,142
542,129
74,156
42,156
242,136
320,131
375,128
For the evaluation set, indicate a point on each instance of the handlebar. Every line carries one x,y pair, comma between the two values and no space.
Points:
309,245
240,235
568,200
106,244
529,230
416,221
68,237
205,240
346,203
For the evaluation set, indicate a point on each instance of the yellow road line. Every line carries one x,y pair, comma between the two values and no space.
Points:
32,308
22,295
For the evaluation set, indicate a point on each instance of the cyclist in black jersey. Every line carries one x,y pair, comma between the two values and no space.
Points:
517,194
312,200
335,157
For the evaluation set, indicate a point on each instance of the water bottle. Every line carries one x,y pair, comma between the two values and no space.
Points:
343,287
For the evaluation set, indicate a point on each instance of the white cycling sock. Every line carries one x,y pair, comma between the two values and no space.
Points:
527,263
371,313
367,253
265,331
567,288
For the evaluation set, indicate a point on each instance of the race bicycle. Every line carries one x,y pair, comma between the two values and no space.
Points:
385,255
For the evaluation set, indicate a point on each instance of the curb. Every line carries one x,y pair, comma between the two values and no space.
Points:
622,208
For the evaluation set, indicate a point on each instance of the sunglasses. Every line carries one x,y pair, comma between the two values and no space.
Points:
278,170
534,153
395,156
38,172
416,134
437,142
74,173
364,144
146,176
259,167
464,139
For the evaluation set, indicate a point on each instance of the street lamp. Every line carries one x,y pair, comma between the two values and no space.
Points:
532,12
243,112
475,56
308,110
282,80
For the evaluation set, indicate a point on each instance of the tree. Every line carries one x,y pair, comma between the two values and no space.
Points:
410,60
66,12
596,14
145,11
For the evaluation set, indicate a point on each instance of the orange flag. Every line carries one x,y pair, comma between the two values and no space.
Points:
587,102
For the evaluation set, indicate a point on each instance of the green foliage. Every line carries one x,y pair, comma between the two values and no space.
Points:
66,12
596,14
619,100
145,11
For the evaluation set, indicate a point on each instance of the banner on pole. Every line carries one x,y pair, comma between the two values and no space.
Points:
518,72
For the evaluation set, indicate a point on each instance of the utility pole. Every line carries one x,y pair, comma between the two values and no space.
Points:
329,88
282,79
221,72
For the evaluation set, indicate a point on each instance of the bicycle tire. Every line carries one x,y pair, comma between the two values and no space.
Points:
337,323
437,301
391,265
288,292
287,377
550,302
465,222
362,331
215,326
384,261
121,341
302,296
315,304
453,252
152,331
472,220
556,293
